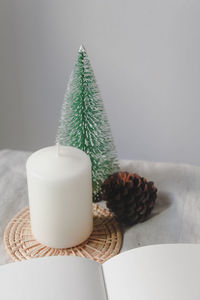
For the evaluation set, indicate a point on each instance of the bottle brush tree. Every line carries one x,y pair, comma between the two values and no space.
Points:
84,123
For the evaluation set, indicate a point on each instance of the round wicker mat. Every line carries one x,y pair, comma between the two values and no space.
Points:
104,242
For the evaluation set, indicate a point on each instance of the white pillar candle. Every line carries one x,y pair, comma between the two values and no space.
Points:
60,196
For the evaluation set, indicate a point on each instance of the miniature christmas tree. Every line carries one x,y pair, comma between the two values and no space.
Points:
84,124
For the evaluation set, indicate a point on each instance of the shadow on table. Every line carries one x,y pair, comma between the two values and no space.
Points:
163,202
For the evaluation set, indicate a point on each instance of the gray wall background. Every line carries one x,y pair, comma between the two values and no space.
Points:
146,57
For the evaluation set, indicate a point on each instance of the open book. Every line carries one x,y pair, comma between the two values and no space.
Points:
161,272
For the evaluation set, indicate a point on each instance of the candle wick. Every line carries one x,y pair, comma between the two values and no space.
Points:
57,149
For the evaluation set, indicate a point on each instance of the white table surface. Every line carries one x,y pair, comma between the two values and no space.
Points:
175,218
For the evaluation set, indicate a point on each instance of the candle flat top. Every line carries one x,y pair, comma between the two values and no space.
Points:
49,164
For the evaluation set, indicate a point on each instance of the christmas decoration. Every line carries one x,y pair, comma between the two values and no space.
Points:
84,124
130,197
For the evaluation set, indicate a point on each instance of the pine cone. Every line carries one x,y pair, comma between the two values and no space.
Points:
130,197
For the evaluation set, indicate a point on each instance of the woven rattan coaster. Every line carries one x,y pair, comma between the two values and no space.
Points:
104,242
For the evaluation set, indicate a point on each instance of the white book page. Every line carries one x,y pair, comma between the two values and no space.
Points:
161,272
52,278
